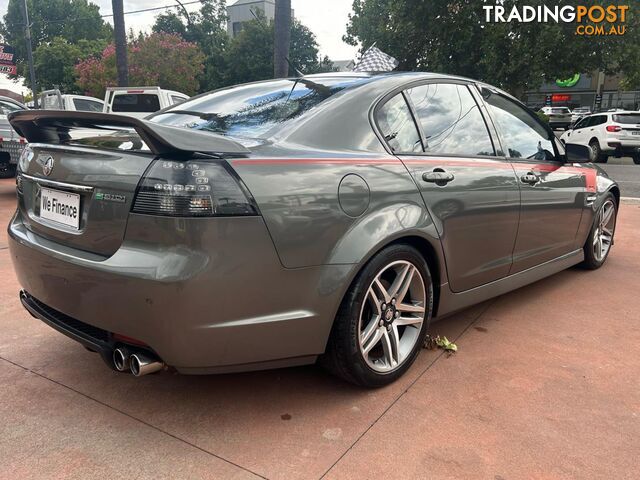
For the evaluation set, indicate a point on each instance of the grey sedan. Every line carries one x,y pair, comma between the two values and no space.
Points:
324,218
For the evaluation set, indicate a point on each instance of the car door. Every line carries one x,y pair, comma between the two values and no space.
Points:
470,192
579,132
552,192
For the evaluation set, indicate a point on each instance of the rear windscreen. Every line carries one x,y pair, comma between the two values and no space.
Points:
627,118
559,110
254,110
136,102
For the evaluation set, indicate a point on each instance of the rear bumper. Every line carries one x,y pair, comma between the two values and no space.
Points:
624,147
222,302
91,337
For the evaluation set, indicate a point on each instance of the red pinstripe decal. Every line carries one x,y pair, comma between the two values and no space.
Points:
589,173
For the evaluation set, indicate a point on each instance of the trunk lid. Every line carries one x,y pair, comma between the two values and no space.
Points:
99,184
77,188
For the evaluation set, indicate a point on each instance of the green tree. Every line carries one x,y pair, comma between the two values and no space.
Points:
453,37
157,59
55,62
249,56
71,20
206,28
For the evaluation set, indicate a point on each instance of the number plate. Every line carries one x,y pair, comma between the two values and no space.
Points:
635,133
61,207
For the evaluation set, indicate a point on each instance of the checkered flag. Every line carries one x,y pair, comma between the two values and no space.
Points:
375,60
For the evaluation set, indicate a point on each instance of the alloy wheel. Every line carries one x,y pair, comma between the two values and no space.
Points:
605,226
391,316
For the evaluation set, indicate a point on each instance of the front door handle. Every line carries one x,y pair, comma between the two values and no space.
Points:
438,176
530,178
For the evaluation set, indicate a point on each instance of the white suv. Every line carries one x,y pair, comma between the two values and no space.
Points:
608,134
559,117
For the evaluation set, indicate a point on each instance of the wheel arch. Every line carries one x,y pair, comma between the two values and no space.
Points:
430,252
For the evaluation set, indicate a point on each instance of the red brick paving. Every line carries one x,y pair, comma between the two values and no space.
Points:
545,386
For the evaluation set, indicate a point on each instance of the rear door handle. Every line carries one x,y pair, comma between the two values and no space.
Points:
530,178
438,176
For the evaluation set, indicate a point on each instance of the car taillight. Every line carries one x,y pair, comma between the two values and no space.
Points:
613,128
197,188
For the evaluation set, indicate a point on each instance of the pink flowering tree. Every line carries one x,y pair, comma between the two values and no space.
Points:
158,59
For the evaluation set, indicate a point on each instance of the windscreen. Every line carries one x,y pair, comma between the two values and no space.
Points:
627,118
254,110
136,102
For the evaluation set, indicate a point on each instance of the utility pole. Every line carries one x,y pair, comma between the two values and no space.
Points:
121,43
282,38
32,72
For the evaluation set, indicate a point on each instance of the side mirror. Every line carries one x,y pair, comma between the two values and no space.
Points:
578,153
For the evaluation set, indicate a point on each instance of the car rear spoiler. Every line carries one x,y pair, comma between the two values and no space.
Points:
53,126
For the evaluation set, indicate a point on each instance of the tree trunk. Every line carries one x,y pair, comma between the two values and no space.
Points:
121,43
282,38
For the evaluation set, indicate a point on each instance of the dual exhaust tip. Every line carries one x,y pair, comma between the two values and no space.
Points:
137,362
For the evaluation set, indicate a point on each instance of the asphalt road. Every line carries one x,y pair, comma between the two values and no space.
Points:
623,171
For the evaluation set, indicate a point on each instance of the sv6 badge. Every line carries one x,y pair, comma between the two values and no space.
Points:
111,197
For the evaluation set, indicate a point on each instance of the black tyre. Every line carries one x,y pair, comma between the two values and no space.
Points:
383,319
636,158
600,239
598,157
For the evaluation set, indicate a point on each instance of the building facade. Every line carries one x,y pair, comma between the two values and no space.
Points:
597,91
246,10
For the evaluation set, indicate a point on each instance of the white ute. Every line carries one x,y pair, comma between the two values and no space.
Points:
54,100
140,102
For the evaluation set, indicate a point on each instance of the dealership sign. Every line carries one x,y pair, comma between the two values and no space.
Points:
7,63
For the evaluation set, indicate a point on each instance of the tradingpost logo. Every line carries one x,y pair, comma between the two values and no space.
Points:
590,20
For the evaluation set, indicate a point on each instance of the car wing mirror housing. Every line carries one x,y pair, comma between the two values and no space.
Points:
578,153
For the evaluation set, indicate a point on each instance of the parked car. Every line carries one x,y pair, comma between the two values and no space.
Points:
140,102
280,222
559,117
55,100
608,134
11,144
578,113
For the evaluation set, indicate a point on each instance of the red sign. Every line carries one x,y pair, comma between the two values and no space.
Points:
557,98
6,60
8,69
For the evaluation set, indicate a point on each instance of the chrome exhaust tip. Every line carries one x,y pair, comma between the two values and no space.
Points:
121,359
141,364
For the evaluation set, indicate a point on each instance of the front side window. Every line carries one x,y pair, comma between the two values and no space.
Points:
582,123
523,135
451,120
397,126
597,120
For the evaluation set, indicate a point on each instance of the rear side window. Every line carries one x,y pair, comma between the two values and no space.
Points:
175,99
136,102
396,124
523,135
627,118
451,120
84,105
597,120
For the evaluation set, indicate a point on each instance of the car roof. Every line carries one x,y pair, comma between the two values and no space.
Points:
11,100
